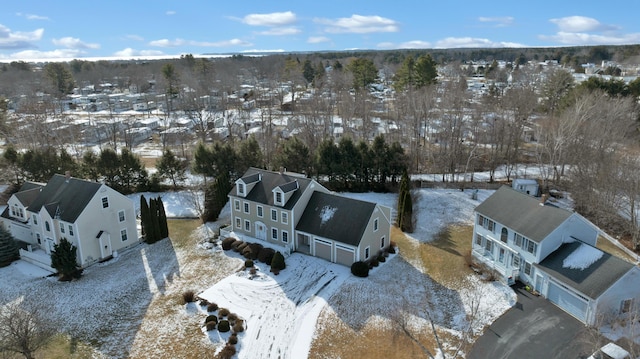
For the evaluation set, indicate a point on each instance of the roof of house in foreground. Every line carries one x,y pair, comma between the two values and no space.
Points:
336,217
262,191
64,196
595,278
522,213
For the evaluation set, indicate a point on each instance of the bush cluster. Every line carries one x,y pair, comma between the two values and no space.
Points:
223,312
233,339
248,263
227,242
238,245
189,296
224,326
238,327
227,352
266,255
212,307
211,318
360,269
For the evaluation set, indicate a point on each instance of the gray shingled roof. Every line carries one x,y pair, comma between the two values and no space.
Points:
288,187
262,191
26,197
593,280
69,197
522,213
335,217
251,178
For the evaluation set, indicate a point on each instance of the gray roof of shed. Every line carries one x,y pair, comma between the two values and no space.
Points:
347,222
262,191
593,280
522,213
68,197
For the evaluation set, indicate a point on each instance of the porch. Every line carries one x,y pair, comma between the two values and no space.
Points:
37,257
505,275
226,232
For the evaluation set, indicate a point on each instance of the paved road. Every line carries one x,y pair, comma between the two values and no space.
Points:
534,328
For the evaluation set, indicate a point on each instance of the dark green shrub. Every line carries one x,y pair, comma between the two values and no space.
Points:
189,296
277,263
223,312
248,263
381,258
238,327
204,302
360,269
266,255
211,318
391,249
373,262
246,252
236,245
227,242
240,247
210,326
233,339
224,326
212,307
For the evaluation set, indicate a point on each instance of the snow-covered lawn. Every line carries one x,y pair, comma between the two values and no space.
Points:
129,306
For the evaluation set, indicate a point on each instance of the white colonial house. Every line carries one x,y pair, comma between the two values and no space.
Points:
295,213
553,250
96,219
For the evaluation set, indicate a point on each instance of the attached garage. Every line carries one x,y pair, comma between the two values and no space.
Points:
568,301
344,255
322,249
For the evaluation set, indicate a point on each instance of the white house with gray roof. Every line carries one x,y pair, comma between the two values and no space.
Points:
295,213
553,250
95,218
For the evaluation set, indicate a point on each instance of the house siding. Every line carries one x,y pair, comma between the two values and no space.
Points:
371,238
610,301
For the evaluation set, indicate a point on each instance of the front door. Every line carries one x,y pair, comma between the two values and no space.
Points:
48,245
261,231
105,245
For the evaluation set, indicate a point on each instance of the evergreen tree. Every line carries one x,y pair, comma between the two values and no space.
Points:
294,155
63,259
144,214
249,155
8,247
153,227
171,167
162,219
405,204
277,263
216,197
364,73
203,161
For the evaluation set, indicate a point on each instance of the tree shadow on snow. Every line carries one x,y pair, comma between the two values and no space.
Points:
394,289
444,241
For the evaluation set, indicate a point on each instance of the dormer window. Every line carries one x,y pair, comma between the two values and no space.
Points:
241,189
279,198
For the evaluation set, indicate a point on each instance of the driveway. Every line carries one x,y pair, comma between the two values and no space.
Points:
534,328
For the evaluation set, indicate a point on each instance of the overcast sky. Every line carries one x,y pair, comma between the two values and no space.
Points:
48,29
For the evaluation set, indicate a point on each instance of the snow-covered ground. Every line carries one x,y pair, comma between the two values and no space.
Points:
110,305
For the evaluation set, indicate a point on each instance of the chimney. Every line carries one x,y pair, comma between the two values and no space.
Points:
543,198
67,176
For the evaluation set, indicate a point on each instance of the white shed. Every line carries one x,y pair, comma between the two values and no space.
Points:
527,186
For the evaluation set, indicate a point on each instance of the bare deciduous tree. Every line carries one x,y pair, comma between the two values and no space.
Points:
24,328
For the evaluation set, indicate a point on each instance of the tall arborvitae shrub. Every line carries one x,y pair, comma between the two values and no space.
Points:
63,259
144,214
405,204
277,263
216,197
152,231
162,219
8,247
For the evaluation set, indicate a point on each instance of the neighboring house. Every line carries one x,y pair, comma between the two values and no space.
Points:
553,250
296,213
525,185
93,217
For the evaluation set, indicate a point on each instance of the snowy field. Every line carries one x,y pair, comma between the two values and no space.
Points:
109,304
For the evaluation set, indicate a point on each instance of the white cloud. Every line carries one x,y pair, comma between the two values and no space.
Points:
182,42
170,12
499,21
317,39
272,19
129,52
18,39
580,38
33,16
581,24
134,37
455,42
278,31
54,54
74,43
413,44
359,24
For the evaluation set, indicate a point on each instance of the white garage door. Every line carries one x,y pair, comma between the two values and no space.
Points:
323,249
344,256
567,301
